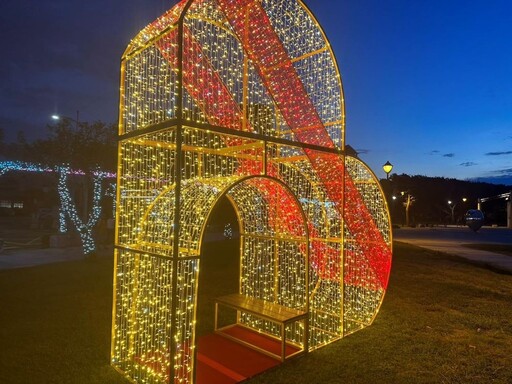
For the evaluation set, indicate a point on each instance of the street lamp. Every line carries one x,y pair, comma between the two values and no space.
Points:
387,168
85,191
408,201
452,207
76,121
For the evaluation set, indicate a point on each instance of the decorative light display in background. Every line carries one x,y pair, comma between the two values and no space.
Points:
228,231
111,192
68,209
83,227
240,98
6,166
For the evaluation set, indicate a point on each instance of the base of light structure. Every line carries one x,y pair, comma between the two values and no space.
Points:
282,218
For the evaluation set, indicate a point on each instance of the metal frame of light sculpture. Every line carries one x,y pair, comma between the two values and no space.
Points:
240,98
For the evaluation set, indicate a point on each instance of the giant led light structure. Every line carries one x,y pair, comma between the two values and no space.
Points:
240,98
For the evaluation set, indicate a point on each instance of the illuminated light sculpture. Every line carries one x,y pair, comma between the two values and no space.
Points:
240,98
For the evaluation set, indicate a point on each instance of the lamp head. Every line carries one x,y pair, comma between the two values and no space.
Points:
387,167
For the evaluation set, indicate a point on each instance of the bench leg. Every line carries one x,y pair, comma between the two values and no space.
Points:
216,315
283,341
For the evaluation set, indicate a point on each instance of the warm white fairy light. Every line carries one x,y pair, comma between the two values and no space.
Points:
300,248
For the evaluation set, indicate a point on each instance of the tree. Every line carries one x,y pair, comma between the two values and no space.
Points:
86,147
432,195
2,143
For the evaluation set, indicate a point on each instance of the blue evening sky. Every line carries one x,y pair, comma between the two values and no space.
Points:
428,84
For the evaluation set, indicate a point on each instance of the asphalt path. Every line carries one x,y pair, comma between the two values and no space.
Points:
23,258
452,240
443,239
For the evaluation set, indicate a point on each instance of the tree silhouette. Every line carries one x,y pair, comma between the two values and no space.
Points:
432,195
84,146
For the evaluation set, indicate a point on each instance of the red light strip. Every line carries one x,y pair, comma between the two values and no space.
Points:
201,81
253,27
277,71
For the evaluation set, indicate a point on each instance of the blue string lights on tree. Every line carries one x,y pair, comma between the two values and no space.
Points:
111,192
83,227
63,225
68,208
6,166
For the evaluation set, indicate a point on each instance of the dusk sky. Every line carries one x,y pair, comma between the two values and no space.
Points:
428,84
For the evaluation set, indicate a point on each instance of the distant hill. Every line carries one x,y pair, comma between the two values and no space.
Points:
500,180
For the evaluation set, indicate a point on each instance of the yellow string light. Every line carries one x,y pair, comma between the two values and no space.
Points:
197,122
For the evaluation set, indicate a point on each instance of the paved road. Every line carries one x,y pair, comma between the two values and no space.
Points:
22,258
451,240
443,239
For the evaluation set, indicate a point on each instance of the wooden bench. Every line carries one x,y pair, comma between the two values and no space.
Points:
266,310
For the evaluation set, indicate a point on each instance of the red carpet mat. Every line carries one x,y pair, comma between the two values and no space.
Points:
260,340
208,373
223,361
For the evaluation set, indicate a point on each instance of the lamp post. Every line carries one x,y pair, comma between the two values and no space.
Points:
84,183
387,167
76,121
452,208
409,199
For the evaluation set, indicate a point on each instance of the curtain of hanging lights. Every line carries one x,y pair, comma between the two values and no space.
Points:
239,98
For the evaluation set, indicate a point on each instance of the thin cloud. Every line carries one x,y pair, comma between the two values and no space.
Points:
498,153
362,151
434,152
468,164
506,171
449,155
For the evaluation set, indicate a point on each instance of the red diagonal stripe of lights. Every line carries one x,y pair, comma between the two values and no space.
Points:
206,88
324,258
357,216
199,74
211,95
276,69
289,220
277,72
202,81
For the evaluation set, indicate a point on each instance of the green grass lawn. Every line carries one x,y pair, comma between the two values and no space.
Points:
443,321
